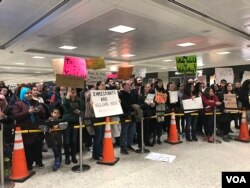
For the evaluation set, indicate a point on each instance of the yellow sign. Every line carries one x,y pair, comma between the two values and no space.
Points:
95,63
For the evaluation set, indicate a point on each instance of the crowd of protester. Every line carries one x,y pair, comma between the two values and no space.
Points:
33,104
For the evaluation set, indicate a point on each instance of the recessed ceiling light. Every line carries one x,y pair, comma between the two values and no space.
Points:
168,60
121,29
20,63
68,47
38,57
186,44
128,55
37,72
223,53
163,68
247,26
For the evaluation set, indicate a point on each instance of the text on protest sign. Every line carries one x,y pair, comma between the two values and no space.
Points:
69,81
95,63
173,96
186,64
74,66
150,98
106,103
95,76
224,73
230,101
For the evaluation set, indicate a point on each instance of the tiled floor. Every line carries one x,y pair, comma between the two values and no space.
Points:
197,164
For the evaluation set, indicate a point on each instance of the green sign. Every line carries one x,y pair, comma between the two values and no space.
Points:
186,64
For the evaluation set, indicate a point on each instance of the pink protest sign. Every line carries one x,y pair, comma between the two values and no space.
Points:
112,75
74,66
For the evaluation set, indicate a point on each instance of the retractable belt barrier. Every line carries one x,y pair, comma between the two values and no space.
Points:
235,111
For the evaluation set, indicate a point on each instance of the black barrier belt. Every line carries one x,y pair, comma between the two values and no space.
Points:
128,121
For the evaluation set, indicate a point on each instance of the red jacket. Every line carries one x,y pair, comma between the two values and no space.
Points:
209,102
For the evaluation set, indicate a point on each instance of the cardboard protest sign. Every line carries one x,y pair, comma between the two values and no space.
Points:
69,81
74,66
57,65
106,103
95,63
95,76
160,98
186,64
195,103
173,96
230,101
224,73
125,72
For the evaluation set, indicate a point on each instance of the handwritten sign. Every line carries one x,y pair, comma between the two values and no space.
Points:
186,64
125,72
74,66
57,65
224,73
95,63
246,76
106,103
112,75
160,98
150,98
95,76
69,81
195,103
230,101
161,157
141,72
173,96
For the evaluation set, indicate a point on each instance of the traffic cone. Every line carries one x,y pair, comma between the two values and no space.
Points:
244,134
173,137
19,169
108,157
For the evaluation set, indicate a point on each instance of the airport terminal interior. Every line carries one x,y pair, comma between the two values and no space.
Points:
145,40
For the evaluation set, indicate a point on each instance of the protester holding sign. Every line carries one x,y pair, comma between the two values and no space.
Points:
160,100
72,110
191,121
148,108
127,129
210,100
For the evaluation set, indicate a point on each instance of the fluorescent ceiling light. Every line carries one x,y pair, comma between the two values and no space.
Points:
38,57
186,44
68,47
248,59
37,72
163,68
168,60
121,29
128,55
223,53
247,26
20,63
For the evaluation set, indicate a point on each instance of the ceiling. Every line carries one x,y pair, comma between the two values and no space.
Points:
38,28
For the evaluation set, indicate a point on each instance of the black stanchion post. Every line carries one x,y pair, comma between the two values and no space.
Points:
142,149
215,136
81,167
8,184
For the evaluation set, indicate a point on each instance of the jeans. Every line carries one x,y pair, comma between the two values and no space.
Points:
98,142
191,122
127,134
209,125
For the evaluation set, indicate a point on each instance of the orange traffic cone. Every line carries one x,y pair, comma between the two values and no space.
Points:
19,169
108,157
173,133
244,134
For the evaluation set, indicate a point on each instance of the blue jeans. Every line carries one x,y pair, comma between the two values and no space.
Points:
98,142
191,122
127,134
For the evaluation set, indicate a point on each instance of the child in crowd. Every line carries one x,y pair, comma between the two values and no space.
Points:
54,138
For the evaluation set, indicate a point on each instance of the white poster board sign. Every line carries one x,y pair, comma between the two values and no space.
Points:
246,76
224,73
141,72
106,103
195,103
173,96
161,157
150,98
95,76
